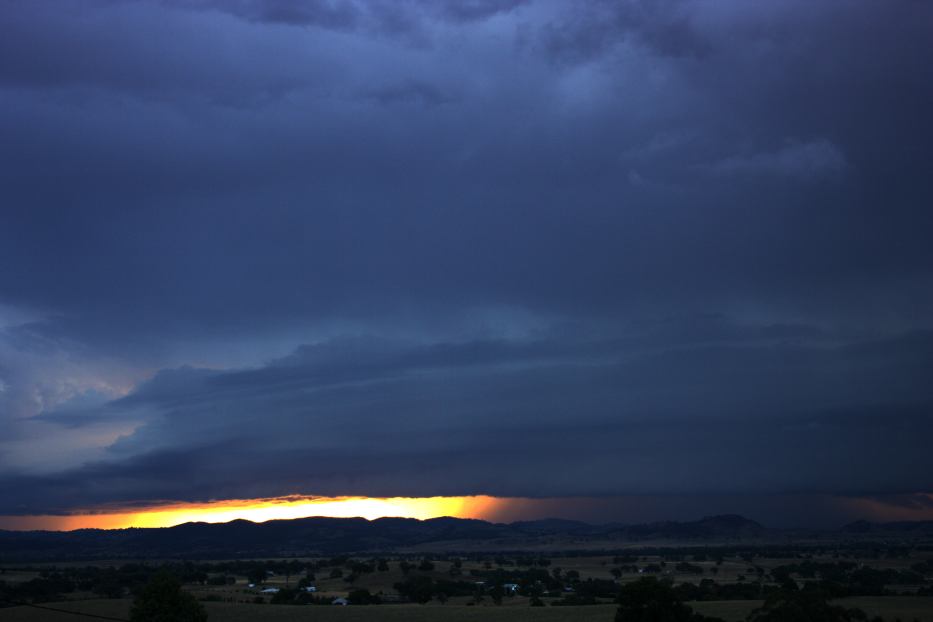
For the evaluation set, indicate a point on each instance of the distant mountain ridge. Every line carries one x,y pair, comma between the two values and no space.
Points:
319,535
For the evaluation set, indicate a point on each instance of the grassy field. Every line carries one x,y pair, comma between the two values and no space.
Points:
597,567
729,610
221,612
906,608
235,602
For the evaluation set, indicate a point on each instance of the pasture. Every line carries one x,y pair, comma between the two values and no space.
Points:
233,591
225,612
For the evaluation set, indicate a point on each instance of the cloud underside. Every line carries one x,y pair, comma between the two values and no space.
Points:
266,247
741,412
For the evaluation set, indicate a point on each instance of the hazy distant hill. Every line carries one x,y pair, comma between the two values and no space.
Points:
308,536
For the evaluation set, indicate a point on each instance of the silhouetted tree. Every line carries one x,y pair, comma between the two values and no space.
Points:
362,597
650,600
790,604
418,588
163,600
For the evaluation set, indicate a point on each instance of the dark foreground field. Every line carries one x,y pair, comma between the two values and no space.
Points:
222,612
893,581
906,608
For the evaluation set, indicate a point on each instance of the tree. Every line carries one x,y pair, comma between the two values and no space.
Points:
284,596
650,600
109,587
362,597
163,600
418,588
794,605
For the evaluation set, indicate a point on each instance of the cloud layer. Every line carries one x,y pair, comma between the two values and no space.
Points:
495,247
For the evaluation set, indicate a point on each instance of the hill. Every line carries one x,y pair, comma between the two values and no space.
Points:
325,536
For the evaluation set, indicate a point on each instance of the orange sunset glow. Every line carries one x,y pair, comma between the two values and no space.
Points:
260,510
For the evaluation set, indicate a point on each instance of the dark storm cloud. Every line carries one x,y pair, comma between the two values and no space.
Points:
324,13
909,502
720,416
586,226
378,16
414,92
666,27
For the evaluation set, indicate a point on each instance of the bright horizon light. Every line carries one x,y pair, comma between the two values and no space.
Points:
261,510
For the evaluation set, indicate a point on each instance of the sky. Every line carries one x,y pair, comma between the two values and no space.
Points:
614,261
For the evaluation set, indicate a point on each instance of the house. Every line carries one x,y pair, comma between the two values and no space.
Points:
340,601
